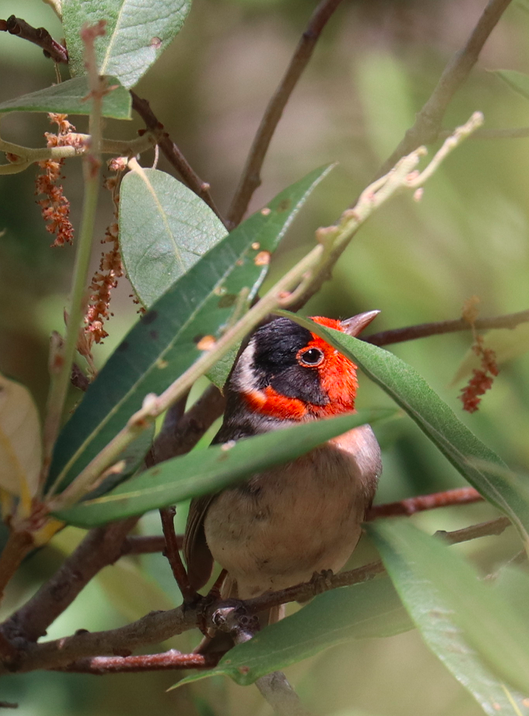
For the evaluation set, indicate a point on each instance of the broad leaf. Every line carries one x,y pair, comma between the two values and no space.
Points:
371,609
459,445
163,344
20,441
517,81
136,34
164,229
71,97
464,621
205,471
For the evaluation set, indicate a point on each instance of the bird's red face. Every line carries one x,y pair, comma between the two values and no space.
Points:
289,373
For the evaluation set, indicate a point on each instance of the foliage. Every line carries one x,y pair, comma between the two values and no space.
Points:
202,280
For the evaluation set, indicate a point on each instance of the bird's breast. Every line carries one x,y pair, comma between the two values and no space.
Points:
284,524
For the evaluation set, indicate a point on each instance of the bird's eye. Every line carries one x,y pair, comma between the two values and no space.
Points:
311,357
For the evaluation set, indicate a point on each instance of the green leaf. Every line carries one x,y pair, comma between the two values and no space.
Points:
136,34
70,97
163,344
517,81
370,609
458,444
465,622
206,471
164,229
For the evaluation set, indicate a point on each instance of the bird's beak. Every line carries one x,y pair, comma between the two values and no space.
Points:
355,325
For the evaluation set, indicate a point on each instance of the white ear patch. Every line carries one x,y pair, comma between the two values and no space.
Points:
244,373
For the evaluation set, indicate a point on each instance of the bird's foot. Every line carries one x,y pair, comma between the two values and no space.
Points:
322,581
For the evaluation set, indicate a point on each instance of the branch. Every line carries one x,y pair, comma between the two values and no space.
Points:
424,330
172,153
428,121
507,133
173,555
251,177
38,36
303,592
168,660
411,505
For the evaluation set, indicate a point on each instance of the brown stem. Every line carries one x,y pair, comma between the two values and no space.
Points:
251,176
18,545
168,660
459,496
428,121
173,555
172,153
37,35
424,330
147,544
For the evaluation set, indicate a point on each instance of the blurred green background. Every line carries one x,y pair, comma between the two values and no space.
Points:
374,67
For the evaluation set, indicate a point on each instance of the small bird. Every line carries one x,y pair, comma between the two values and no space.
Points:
281,526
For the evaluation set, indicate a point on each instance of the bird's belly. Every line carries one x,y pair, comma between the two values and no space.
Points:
285,524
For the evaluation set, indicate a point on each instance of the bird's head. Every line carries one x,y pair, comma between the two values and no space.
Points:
289,373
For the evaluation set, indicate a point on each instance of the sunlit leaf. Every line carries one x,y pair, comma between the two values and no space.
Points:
163,344
463,620
20,440
136,34
205,471
164,229
71,97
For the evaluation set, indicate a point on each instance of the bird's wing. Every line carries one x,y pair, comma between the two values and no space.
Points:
196,551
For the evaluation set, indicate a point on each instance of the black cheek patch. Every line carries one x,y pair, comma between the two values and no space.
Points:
301,383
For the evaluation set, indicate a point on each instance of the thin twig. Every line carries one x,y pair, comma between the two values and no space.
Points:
504,133
424,330
168,660
37,35
411,505
172,153
251,176
428,121
173,555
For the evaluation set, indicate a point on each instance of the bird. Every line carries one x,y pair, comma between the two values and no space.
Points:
282,526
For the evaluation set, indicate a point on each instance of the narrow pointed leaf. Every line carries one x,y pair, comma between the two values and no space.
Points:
136,34
206,471
465,622
459,445
163,344
359,611
71,97
164,229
